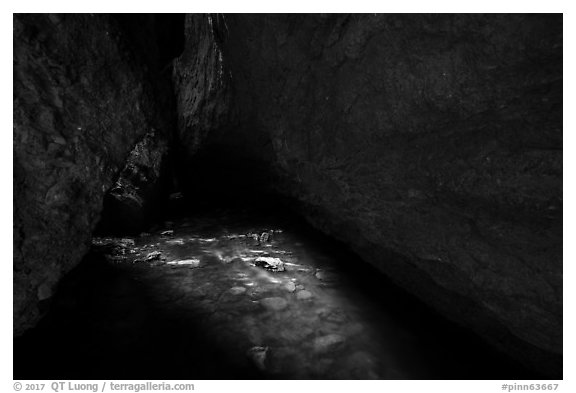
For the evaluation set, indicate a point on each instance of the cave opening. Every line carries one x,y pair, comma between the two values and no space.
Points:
251,229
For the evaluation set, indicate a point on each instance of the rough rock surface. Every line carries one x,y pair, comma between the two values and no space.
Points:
129,204
201,84
133,201
81,102
432,144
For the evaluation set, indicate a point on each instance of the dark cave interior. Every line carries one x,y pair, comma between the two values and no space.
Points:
211,196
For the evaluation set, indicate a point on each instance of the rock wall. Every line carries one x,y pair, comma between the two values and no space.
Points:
135,198
202,87
132,202
81,102
431,144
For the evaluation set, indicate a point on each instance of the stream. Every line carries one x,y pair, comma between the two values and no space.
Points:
243,294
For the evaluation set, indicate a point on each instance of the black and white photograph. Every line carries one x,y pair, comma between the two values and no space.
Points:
286,196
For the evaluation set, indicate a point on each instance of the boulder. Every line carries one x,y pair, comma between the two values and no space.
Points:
274,303
430,144
82,100
270,263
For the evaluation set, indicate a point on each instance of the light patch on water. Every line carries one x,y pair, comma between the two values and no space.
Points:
264,275
233,236
175,241
192,262
320,322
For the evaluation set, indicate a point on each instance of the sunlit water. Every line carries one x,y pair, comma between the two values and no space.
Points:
300,322
193,303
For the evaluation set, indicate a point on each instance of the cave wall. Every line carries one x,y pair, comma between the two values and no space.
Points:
431,144
134,200
221,156
202,89
82,100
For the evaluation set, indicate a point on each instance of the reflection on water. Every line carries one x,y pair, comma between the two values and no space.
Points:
235,295
262,287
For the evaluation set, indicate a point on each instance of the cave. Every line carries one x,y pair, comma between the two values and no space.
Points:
287,196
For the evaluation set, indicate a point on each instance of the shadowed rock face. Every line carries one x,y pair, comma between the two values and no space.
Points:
201,85
432,145
129,204
133,201
81,102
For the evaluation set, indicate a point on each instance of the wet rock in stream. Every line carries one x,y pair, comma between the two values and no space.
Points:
303,295
274,303
326,276
154,255
271,264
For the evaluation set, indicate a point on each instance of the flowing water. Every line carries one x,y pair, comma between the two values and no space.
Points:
242,294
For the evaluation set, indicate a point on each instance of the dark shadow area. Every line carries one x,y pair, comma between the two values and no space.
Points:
103,324
166,31
223,175
136,200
